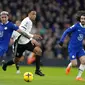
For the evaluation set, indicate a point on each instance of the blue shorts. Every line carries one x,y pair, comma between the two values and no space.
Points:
2,51
73,54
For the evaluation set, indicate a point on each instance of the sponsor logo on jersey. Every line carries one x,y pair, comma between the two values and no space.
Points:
1,33
80,37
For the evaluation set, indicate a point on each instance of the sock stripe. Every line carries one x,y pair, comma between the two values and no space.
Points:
80,70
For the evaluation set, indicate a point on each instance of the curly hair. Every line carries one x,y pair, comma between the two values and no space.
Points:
79,14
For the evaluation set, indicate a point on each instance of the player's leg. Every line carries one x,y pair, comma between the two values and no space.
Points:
18,58
81,56
17,64
68,68
4,65
81,68
17,68
72,63
72,56
31,58
11,62
38,53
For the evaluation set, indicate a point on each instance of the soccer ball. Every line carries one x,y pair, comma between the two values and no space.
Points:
28,76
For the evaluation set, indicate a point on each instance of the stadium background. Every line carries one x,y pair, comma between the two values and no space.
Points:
53,17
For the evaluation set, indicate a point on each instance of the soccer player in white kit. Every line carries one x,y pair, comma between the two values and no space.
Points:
24,43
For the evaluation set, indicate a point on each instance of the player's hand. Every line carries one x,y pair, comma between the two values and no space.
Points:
34,42
36,36
60,44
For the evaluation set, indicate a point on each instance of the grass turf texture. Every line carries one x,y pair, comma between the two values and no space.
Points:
53,76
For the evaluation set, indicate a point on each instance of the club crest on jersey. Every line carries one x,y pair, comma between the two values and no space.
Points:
5,28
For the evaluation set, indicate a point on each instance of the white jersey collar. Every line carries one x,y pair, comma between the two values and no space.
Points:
5,23
82,25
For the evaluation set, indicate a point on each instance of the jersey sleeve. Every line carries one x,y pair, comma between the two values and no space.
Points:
14,27
67,31
24,25
15,35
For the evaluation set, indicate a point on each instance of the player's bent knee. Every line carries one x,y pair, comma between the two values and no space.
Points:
16,60
74,63
37,51
83,62
21,59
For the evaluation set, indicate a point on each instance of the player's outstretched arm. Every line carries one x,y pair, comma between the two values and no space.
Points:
66,32
61,43
35,36
22,32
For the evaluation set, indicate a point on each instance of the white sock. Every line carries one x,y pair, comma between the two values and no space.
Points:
70,64
81,69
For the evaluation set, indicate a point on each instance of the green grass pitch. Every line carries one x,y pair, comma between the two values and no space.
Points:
53,76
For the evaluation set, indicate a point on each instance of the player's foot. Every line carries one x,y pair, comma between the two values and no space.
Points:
4,66
41,64
31,60
39,73
68,70
3,61
18,72
80,79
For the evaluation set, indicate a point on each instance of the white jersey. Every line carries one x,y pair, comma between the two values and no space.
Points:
15,35
25,25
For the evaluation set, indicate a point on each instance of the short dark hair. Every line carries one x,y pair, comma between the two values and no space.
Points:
79,14
31,10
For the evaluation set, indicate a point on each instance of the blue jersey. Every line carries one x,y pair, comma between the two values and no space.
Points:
77,33
5,34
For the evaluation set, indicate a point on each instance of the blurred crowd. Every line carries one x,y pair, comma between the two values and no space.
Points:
53,17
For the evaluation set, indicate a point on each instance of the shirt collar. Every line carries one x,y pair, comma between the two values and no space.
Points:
5,23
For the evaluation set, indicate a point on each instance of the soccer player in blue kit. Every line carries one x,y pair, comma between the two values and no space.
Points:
75,46
6,30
